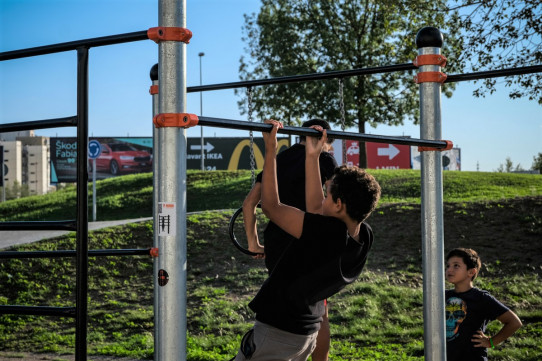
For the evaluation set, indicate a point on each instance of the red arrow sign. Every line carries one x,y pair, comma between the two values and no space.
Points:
387,156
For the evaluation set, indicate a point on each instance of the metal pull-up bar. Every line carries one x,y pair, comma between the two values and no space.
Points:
243,125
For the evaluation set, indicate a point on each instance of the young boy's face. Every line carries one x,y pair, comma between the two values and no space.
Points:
457,272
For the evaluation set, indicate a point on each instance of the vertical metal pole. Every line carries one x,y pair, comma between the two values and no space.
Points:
94,190
201,113
155,183
81,251
429,41
170,279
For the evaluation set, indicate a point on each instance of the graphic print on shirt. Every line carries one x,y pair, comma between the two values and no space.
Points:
456,311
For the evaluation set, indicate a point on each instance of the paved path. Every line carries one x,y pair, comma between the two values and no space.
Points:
12,238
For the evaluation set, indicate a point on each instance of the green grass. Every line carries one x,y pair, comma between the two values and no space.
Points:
379,317
131,196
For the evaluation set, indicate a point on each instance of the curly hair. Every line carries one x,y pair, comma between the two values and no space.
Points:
357,189
469,256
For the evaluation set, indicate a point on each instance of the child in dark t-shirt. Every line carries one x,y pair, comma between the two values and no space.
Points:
329,250
469,310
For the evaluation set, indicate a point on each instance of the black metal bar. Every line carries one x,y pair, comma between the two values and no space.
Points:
72,253
81,265
494,73
73,45
302,78
69,225
362,71
244,125
39,124
38,310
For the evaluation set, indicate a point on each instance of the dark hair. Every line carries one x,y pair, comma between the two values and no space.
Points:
324,124
469,256
357,189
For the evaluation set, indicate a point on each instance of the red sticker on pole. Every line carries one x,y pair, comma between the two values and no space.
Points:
163,277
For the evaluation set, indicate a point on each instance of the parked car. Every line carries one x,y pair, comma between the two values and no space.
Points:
117,158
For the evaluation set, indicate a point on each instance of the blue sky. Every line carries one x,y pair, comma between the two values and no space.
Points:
486,129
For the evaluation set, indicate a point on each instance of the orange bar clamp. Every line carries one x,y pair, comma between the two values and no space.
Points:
449,145
430,77
153,90
430,59
179,120
163,33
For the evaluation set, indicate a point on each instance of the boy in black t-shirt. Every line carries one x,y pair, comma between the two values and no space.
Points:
329,250
469,310
291,188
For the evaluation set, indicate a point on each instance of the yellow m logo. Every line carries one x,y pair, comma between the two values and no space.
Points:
258,156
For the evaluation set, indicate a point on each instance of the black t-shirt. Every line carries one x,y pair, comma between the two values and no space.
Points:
466,313
291,186
312,268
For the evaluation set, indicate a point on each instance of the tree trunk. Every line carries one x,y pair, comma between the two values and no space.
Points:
362,150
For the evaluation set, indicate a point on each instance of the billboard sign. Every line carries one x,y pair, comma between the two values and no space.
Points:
387,156
352,151
228,153
113,156
451,159
117,156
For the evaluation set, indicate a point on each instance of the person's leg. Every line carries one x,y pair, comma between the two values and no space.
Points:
321,352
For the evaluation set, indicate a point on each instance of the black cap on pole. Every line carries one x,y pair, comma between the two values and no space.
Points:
154,72
429,37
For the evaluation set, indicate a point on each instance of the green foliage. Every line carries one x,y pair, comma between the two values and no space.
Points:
537,163
503,34
290,37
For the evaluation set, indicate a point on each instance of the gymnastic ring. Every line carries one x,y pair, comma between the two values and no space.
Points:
234,239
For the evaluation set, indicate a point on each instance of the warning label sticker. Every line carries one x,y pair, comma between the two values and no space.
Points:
167,219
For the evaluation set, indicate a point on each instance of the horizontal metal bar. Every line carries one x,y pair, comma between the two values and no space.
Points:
39,124
38,310
69,225
244,125
71,253
494,73
303,78
73,45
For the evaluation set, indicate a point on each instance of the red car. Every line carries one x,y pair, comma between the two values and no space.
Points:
119,158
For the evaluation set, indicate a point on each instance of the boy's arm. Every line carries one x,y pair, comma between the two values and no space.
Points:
511,324
249,219
314,196
288,218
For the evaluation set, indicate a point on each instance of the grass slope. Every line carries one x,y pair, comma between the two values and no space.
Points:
377,318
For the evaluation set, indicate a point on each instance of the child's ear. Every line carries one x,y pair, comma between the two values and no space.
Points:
339,205
472,272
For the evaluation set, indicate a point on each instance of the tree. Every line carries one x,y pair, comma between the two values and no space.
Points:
537,162
508,167
503,34
291,37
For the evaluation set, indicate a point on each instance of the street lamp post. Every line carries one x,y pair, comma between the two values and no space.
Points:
201,113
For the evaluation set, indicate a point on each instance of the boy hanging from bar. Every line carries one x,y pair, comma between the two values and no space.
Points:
329,251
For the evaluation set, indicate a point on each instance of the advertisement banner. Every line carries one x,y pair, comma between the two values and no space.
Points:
451,159
387,156
125,155
228,153
122,155
352,151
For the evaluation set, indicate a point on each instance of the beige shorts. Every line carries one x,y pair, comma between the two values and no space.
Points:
267,343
